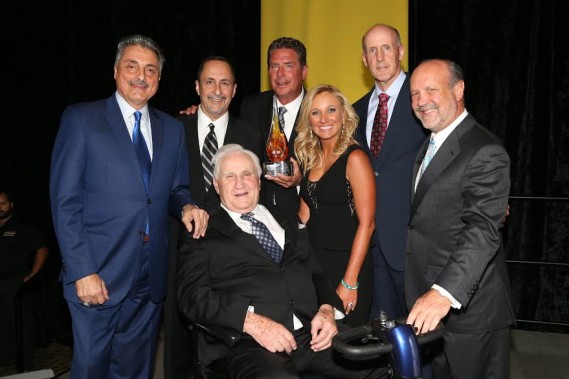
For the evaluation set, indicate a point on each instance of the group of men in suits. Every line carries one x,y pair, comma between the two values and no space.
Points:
93,162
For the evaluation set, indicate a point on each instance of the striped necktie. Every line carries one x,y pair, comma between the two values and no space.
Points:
208,151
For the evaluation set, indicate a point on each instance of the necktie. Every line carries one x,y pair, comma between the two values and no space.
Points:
141,151
282,111
264,236
208,151
379,125
428,155
142,155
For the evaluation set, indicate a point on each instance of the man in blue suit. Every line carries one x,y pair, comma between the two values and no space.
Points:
392,162
110,201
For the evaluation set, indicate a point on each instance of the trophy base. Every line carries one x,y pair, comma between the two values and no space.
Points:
276,168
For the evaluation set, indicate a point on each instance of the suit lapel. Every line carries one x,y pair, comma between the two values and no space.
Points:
450,149
266,116
157,144
221,221
197,181
363,122
231,135
395,130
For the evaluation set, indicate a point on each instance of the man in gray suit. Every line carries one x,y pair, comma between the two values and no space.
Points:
455,266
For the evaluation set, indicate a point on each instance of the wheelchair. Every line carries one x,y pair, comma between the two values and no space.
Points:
381,336
384,336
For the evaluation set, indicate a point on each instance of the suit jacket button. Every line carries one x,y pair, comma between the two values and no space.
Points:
292,302
149,201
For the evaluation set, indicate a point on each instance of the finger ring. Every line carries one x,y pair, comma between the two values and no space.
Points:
87,303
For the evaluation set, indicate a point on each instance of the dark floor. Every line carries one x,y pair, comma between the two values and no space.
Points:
55,356
534,355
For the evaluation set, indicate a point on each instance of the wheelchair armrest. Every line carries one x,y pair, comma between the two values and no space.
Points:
229,336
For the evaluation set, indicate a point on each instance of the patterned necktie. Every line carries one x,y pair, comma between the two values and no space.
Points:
264,236
141,151
208,151
428,155
379,125
282,111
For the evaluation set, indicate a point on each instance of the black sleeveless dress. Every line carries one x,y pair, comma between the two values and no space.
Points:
332,227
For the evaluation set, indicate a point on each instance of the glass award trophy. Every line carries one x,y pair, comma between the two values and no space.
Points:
277,149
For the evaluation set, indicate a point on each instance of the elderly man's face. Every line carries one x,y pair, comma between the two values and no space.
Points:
238,183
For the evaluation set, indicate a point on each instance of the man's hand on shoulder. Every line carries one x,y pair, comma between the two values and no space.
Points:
198,216
428,311
192,109
285,180
323,328
269,334
91,290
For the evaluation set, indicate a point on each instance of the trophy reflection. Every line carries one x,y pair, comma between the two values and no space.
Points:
277,150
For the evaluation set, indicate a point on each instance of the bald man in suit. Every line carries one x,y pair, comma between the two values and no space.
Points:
455,266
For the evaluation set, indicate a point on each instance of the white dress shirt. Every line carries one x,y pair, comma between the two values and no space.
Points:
203,127
292,109
128,116
392,92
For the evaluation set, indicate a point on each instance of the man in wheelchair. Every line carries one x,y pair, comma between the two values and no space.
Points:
255,273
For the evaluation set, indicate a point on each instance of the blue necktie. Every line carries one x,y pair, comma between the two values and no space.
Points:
141,151
142,155
429,155
264,236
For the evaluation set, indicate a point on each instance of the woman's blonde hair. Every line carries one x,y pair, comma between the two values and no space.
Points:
307,146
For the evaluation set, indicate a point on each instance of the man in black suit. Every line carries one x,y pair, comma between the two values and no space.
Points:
393,165
455,266
216,87
286,61
256,274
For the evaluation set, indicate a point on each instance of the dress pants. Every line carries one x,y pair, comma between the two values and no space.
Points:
249,360
118,341
474,356
388,287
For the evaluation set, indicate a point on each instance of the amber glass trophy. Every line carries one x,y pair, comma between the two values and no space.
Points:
277,150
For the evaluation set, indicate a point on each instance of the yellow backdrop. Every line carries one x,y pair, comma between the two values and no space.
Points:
332,31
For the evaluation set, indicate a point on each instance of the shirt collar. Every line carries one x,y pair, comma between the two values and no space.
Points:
294,105
441,136
127,110
394,88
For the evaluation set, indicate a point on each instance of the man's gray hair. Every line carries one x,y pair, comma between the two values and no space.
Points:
230,149
142,41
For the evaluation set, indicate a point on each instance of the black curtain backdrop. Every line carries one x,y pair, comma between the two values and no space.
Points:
516,62
513,53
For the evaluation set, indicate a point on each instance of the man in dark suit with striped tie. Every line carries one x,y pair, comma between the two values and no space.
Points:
206,130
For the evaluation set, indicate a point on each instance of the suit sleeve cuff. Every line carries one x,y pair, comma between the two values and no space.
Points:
454,303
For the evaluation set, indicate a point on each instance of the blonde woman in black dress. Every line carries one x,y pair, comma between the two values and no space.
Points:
337,196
